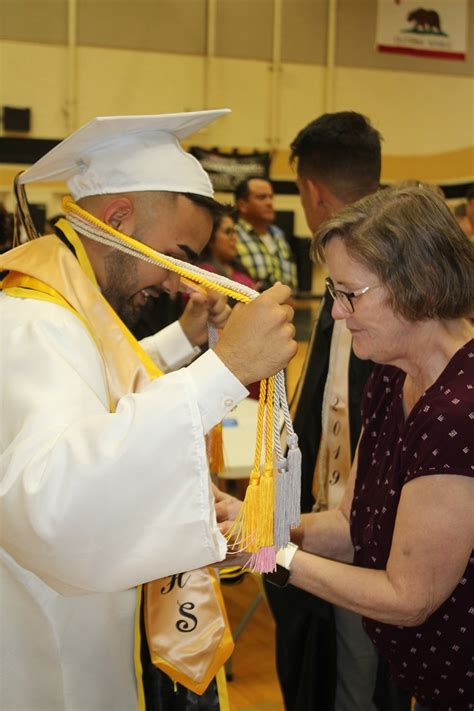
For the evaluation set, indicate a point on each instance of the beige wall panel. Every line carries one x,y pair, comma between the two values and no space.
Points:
244,87
244,29
444,168
137,83
301,99
304,25
159,25
34,20
34,76
416,113
429,138
356,22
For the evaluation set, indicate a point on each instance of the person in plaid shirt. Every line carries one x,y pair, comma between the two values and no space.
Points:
262,246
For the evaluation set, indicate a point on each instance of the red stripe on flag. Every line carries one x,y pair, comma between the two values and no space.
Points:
436,54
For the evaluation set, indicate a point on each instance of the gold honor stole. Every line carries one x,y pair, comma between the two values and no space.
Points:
186,625
333,465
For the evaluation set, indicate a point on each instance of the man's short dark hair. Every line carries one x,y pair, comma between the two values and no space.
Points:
212,206
242,190
343,151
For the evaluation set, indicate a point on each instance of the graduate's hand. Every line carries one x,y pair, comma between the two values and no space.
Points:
258,339
227,506
201,309
234,558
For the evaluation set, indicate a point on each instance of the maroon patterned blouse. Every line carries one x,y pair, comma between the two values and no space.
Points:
435,660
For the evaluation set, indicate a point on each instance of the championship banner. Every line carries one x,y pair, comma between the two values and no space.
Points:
437,30
226,170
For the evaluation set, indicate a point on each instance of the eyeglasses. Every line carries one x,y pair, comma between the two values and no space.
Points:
344,298
229,231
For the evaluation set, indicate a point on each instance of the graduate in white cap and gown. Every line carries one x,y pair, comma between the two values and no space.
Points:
103,469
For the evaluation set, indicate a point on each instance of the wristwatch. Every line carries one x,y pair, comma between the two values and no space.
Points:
281,576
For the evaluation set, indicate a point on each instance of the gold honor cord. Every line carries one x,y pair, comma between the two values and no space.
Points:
256,529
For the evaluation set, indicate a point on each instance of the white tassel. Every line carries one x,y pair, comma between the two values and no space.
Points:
281,530
294,480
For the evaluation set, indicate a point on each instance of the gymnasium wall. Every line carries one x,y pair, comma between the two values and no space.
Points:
71,60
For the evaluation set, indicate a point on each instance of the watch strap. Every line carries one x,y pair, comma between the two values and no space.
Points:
285,555
281,576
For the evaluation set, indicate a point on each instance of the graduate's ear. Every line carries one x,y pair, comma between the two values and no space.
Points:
117,211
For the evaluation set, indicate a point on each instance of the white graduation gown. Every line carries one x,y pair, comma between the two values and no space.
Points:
94,503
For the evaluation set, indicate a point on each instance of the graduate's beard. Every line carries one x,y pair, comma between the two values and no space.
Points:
121,275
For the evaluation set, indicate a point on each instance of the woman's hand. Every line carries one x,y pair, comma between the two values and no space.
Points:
227,508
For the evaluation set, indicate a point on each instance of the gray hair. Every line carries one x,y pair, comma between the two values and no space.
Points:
410,239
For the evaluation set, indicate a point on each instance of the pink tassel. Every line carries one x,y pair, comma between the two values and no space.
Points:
264,561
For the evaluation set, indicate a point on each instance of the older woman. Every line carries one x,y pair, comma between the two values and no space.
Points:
401,275
399,551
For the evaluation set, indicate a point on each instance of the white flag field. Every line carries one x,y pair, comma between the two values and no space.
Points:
437,29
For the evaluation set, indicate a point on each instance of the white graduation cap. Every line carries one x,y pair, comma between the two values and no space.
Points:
119,154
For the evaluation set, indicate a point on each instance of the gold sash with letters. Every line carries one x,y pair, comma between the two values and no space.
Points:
333,464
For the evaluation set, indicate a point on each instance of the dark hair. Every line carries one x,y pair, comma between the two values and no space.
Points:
54,218
225,211
410,239
208,203
206,254
470,193
342,150
242,189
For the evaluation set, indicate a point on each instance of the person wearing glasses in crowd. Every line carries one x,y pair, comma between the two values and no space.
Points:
399,548
220,254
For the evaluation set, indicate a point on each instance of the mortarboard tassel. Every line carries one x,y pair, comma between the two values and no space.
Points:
22,214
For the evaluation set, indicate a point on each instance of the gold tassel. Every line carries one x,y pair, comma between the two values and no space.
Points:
244,528
253,528
267,480
215,450
266,507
